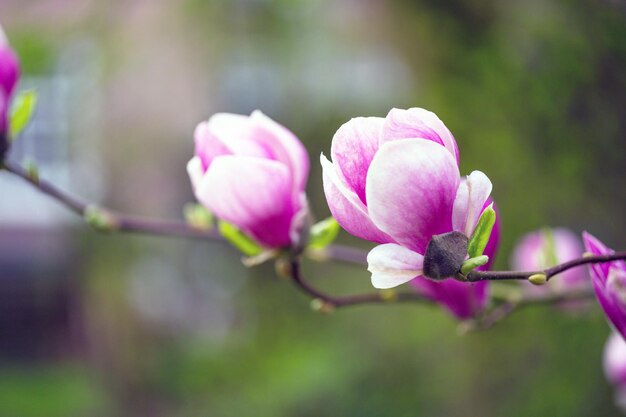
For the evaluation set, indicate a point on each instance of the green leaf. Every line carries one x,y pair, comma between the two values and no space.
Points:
238,239
323,233
482,232
22,110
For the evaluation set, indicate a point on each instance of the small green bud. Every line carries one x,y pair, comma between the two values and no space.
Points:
100,219
473,263
32,170
322,306
538,279
283,267
198,217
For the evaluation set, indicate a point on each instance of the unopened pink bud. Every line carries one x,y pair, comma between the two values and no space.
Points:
251,171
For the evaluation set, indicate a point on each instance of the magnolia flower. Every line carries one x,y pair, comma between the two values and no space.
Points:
609,283
395,181
251,171
615,366
546,248
9,75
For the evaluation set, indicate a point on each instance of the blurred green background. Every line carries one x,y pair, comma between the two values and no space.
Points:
534,92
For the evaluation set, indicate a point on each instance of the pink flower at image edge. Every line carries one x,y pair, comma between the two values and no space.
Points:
9,76
609,283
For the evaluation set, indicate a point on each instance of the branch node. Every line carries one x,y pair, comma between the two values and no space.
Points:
322,306
32,171
282,267
100,219
388,296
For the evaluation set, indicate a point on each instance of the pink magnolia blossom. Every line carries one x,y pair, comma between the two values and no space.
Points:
251,171
395,181
9,75
546,248
609,283
615,366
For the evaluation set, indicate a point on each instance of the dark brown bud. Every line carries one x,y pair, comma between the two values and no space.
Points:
445,255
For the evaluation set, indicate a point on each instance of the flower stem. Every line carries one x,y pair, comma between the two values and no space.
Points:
331,301
475,276
121,222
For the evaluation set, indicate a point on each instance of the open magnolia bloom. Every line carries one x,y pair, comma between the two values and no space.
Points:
396,181
251,171
609,283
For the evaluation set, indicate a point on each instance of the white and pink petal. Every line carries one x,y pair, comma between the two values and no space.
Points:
252,193
347,208
469,202
392,265
411,186
420,124
353,148
283,146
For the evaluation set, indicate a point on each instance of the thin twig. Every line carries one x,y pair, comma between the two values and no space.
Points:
328,302
134,224
475,276
507,307
122,222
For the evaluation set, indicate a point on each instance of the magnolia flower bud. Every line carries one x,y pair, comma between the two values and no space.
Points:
252,172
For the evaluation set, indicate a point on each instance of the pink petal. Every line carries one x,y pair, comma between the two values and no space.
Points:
284,147
615,359
4,116
208,145
392,265
347,208
530,255
353,149
195,171
253,194
609,283
470,199
9,70
411,185
595,247
420,124
237,134
614,300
